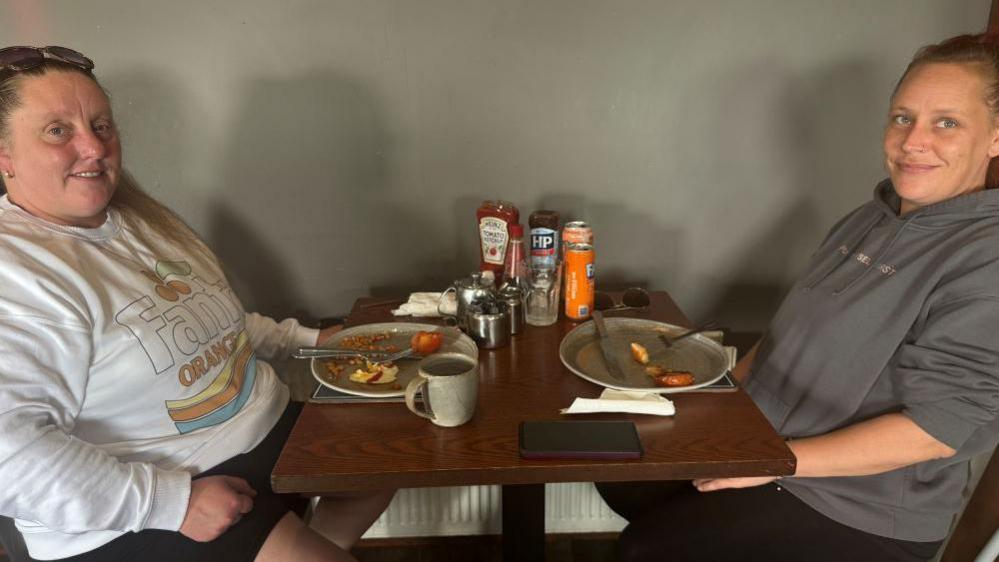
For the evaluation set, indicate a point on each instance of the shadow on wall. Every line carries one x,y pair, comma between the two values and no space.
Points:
433,251
646,252
299,207
831,129
153,132
152,129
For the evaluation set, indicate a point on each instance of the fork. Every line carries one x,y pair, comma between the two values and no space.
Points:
401,354
669,341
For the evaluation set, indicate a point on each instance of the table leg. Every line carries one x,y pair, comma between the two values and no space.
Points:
524,523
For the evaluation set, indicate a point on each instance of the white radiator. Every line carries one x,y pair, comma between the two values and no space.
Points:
475,510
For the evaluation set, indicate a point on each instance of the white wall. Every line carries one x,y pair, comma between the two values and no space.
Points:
333,149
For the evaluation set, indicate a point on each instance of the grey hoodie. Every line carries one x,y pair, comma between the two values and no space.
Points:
894,314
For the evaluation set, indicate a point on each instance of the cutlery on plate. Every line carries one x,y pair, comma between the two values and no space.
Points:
670,340
308,352
610,360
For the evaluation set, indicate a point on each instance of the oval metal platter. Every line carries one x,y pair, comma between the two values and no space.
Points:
697,354
399,334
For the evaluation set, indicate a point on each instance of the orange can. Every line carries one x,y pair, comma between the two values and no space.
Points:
576,232
579,281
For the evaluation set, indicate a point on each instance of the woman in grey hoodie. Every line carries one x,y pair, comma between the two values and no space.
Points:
881,367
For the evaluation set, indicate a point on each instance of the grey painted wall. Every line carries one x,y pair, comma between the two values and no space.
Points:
334,149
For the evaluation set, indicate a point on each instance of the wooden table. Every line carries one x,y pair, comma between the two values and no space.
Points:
374,446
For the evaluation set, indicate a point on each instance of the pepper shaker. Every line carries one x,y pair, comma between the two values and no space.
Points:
513,296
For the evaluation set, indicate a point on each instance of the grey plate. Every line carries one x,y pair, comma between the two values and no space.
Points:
580,352
400,334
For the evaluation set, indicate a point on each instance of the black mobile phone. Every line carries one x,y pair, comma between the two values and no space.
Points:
579,439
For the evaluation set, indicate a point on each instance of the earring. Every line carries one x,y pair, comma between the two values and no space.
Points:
7,174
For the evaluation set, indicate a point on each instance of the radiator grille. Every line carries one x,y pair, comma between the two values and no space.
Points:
475,510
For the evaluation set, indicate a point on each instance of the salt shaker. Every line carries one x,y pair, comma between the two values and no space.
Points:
513,296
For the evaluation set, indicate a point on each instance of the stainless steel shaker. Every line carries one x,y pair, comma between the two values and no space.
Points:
513,296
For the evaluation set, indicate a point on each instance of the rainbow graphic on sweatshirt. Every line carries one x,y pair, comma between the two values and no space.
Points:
221,399
194,330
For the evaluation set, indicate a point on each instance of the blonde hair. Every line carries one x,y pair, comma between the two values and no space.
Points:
981,50
141,211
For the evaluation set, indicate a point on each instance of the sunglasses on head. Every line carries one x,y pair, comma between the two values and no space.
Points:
19,59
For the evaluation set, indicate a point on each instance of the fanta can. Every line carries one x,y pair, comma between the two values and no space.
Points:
579,280
576,232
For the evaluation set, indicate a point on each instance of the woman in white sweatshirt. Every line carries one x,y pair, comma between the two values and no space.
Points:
136,414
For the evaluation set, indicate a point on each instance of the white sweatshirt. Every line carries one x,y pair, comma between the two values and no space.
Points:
124,370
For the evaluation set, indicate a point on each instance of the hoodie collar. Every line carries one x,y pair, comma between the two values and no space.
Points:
974,205
970,206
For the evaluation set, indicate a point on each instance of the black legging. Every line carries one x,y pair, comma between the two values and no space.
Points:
672,521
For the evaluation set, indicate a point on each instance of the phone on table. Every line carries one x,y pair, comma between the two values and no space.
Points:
579,439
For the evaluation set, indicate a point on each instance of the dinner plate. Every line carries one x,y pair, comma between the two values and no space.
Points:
399,335
701,356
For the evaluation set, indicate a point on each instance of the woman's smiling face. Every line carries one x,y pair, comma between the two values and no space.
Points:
940,134
62,149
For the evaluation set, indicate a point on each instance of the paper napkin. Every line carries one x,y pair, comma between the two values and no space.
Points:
425,304
611,400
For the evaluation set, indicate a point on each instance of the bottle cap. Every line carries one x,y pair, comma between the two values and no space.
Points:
516,230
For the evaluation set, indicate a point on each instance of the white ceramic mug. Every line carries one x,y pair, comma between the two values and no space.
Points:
449,383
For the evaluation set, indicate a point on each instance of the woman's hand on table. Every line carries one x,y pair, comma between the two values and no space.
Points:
715,484
887,442
216,503
327,333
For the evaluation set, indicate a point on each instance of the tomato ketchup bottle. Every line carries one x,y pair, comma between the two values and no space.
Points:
494,220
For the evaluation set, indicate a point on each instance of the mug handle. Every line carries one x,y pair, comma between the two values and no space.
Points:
419,382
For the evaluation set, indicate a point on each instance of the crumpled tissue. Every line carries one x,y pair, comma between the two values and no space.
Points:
425,305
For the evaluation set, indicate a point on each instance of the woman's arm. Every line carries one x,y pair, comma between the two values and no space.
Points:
741,370
870,447
52,477
873,446
271,339
327,333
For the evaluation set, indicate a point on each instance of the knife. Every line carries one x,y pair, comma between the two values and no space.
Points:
610,360
308,352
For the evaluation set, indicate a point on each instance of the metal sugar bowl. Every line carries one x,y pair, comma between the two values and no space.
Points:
489,322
